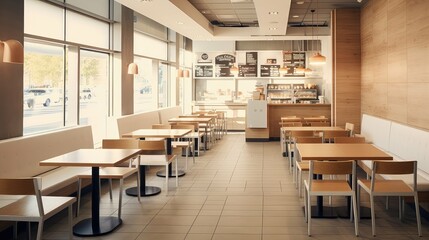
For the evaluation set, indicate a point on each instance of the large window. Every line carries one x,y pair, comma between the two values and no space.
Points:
163,85
145,83
43,87
93,94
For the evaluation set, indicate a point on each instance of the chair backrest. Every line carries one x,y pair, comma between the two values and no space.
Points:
152,147
23,186
349,140
332,167
320,124
329,135
308,140
301,133
394,168
161,126
124,143
350,127
195,124
184,126
291,124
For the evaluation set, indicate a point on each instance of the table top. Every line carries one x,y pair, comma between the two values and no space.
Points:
341,151
191,119
314,128
157,133
92,158
315,118
291,119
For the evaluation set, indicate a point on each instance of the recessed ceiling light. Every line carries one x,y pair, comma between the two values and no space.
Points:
180,23
145,1
295,16
205,11
300,2
273,28
273,13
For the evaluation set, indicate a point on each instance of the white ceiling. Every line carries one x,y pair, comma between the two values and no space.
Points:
241,19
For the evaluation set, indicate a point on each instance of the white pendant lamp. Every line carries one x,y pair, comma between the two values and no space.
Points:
234,70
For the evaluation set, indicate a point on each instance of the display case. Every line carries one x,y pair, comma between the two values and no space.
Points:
291,93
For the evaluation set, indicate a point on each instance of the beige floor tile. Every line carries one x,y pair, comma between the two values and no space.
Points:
238,230
240,221
161,236
206,221
167,229
236,237
198,236
203,229
173,220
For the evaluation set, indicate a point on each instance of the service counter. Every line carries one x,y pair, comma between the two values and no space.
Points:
278,110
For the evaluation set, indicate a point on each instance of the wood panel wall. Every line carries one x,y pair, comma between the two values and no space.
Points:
395,51
346,67
127,57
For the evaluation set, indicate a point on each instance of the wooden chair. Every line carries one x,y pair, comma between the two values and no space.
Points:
186,143
291,146
303,166
33,207
323,187
285,136
329,135
349,140
110,173
350,127
385,187
197,135
154,154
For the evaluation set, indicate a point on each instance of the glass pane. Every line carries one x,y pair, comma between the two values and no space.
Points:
145,83
100,7
163,86
149,47
43,19
43,87
86,30
93,94
214,90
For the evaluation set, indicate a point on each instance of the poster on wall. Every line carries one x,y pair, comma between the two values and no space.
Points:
203,71
270,71
223,64
251,58
247,70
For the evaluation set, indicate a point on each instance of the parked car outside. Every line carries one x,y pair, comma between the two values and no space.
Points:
42,96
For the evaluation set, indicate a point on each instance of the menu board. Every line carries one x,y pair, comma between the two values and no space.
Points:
223,64
292,60
204,71
251,58
247,70
270,71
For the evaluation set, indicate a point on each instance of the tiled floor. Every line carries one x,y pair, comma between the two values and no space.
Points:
237,190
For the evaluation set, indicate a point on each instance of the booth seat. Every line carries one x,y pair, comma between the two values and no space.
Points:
402,142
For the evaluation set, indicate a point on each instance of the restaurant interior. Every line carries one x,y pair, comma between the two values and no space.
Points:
214,119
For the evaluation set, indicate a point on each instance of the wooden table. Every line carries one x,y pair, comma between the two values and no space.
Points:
94,158
205,120
339,151
168,134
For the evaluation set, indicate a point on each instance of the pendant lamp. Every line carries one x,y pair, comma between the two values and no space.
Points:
317,58
234,70
133,68
11,51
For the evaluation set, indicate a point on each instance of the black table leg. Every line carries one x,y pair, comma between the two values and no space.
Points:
96,225
145,191
161,173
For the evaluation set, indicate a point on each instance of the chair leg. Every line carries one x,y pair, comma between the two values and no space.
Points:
166,177
309,213
39,230
15,230
110,189
193,152
371,199
358,202
70,221
138,185
177,175
186,158
121,183
400,207
417,206
355,214
305,205
79,195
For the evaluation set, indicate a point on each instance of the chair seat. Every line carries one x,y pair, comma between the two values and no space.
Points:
111,172
330,186
387,186
26,209
180,144
303,166
156,159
